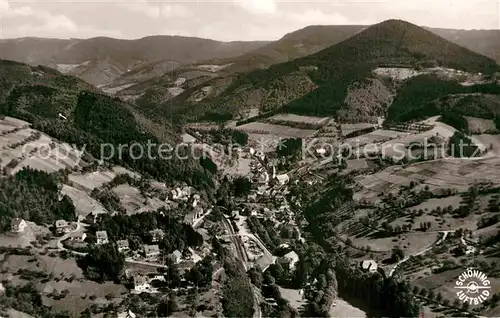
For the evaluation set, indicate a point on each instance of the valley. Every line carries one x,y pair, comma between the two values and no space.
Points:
338,171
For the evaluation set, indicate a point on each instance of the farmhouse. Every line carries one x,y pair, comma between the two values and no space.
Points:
122,245
141,284
151,250
282,178
92,216
78,236
18,225
102,237
62,227
157,235
369,266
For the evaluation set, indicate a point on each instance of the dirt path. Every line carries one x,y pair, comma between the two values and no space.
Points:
425,250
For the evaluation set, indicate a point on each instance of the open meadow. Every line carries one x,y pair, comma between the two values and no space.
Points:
458,174
292,118
279,130
91,180
60,282
84,204
480,125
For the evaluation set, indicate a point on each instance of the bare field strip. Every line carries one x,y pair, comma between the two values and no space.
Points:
84,204
487,140
130,198
121,170
449,173
48,165
377,136
410,242
15,122
300,119
350,128
480,125
91,180
278,130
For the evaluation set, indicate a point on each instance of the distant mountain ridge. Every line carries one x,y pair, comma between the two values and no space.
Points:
100,60
319,84
314,38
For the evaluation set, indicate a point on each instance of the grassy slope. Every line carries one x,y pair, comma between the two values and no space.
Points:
39,94
388,43
305,91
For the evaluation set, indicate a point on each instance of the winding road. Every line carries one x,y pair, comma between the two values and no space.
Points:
425,250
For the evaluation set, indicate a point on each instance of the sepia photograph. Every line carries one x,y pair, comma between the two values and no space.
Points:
249,158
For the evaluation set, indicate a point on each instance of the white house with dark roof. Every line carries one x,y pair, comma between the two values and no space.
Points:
78,236
369,266
18,225
122,245
151,250
102,237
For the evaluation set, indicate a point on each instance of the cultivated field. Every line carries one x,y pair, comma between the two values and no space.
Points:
345,309
121,170
452,173
22,147
133,202
490,140
284,131
90,181
480,125
300,119
377,136
84,204
64,275
352,128
411,242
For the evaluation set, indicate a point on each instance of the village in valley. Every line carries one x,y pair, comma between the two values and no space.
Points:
256,220
340,171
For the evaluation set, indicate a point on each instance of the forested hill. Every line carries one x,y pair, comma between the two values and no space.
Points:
40,94
318,84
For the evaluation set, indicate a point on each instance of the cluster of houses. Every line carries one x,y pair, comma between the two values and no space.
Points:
186,194
181,193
